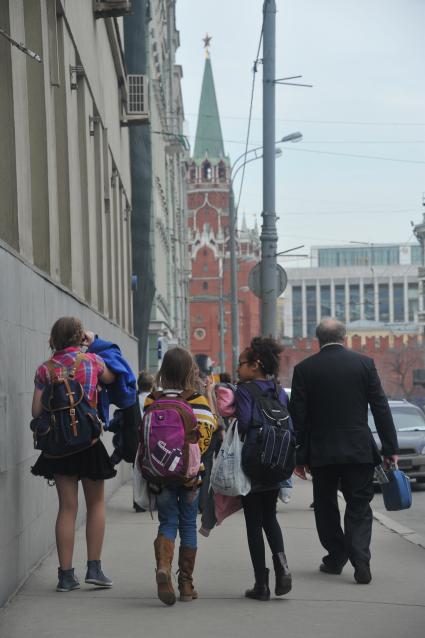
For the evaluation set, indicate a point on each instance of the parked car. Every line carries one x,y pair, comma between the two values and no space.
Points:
409,421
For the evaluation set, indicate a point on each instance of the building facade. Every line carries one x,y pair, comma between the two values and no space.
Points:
208,196
169,315
65,237
361,286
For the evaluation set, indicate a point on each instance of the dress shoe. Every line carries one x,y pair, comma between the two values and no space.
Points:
362,574
331,569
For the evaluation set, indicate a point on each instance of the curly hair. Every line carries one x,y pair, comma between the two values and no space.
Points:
66,332
265,351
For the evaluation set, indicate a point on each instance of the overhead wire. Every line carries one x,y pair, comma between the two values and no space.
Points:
251,102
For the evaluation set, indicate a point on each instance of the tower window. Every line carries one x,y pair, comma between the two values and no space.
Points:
205,285
206,171
221,171
192,172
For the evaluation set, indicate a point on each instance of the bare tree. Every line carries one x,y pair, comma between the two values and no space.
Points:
399,364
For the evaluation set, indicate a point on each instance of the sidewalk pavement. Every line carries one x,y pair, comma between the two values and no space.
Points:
319,605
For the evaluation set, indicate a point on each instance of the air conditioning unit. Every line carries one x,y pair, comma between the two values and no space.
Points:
111,8
137,106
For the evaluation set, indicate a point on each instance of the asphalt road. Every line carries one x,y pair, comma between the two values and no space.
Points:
413,517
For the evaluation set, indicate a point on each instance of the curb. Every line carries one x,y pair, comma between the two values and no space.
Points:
405,532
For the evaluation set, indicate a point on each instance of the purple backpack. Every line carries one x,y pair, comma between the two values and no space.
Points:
169,439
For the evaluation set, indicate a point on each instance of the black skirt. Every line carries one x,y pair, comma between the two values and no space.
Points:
93,463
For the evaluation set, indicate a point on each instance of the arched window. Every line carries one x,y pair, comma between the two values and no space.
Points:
192,172
221,171
206,171
205,285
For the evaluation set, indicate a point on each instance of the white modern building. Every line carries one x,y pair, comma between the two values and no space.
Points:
374,283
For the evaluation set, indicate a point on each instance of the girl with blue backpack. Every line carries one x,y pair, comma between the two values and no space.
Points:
258,388
74,376
176,430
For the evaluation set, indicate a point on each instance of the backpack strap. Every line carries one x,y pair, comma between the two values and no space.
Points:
80,357
72,404
51,370
254,390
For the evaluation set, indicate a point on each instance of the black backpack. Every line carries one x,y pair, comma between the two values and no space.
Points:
268,453
69,422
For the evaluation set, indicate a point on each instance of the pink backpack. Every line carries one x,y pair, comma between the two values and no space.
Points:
169,440
225,395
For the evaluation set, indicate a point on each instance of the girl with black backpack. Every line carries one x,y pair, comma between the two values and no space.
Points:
71,367
258,371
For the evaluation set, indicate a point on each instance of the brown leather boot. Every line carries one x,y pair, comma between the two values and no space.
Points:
164,551
187,557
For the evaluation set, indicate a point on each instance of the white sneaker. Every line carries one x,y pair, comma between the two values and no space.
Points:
285,494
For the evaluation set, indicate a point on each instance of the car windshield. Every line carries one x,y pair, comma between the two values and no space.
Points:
406,419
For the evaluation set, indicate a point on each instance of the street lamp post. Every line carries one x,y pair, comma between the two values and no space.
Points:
268,276
233,213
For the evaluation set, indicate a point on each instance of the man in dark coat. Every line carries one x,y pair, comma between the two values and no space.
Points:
331,391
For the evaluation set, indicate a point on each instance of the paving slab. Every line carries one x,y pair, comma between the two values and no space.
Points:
319,605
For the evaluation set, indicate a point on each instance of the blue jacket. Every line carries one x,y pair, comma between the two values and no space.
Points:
122,392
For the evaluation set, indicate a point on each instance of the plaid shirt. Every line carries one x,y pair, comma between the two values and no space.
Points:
88,372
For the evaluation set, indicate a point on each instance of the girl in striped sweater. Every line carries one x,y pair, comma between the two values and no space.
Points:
178,504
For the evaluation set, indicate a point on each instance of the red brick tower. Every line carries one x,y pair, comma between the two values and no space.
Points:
209,186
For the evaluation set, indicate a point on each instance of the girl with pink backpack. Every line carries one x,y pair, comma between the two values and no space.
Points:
177,418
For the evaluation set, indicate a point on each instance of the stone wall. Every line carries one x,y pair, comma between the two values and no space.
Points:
29,304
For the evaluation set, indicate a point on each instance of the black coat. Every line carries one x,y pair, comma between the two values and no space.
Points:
330,394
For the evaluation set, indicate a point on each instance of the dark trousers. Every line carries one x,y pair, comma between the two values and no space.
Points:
356,484
260,514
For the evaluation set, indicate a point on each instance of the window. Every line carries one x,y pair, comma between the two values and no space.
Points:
384,302
398,294
340,302
416,255
412,301
354,302
369,302
297,311
206,171
221,171
325,301
311,310
205,285
192,172
205,268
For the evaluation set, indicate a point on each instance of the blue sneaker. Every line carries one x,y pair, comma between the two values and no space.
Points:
67,580
95,575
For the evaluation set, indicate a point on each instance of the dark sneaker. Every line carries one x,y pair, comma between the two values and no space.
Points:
67,581
95,575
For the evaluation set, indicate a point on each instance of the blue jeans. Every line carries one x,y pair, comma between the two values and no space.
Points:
177,510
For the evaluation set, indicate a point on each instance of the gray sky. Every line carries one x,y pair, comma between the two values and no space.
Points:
365,59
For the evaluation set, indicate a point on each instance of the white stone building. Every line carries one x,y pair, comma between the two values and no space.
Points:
169,322
358,285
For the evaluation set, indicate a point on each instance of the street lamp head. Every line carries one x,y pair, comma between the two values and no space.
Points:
292,137
278,152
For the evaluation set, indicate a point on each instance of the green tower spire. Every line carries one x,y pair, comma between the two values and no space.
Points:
209,138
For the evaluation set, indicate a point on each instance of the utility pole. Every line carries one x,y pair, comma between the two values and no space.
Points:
234,304
419,231
268,236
